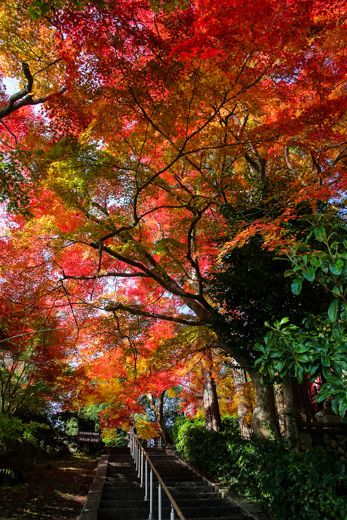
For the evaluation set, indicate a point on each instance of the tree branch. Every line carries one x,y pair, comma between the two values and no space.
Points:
105,275
25,96
114,307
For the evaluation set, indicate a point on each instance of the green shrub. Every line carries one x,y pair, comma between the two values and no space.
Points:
14,429
291,485
115,438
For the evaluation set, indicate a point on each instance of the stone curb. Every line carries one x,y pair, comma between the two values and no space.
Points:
91,506
252,510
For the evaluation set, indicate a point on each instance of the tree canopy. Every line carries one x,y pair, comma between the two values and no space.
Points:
151,152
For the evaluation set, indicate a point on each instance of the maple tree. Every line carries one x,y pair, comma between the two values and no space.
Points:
177,134
34,341
141,375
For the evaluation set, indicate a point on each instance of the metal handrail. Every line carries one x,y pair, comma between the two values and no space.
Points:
142,461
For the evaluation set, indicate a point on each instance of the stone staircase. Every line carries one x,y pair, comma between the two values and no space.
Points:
123,498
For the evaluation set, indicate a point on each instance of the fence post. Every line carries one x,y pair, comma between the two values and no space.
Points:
172,513
150,495
159,502
141,480
139,461
146,480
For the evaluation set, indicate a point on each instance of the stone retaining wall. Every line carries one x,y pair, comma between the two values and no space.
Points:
330,431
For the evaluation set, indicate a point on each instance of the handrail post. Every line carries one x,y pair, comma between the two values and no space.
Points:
150,495
139,461
141,480
146,480
172,513
159,442
159,501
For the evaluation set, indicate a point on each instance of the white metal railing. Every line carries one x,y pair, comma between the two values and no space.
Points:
145,471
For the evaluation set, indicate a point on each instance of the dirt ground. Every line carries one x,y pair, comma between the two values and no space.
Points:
54,490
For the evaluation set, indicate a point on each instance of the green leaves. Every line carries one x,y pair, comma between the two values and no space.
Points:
296,286
320,233
309,274
318,347
40,8
332,311
335,388
325,264
337,267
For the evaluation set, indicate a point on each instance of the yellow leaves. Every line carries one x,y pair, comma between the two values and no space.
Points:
33,42
63,178
172,393
106,391
146,429
109,435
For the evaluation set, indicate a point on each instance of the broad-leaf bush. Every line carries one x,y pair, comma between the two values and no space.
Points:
207,449
291,485
317,346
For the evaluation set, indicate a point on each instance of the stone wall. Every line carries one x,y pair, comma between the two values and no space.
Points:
330,431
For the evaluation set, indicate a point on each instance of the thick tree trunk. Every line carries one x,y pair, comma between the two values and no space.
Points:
265,419
242,408
211,404
290,427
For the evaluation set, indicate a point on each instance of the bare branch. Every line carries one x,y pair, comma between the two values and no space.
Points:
114,307
106,275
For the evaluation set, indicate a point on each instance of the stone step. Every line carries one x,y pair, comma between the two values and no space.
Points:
120,493
202,503
121,484
205,513
198,496
106,514
190,486
113,505
229,517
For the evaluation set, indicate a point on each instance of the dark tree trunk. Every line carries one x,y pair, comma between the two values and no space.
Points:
290,427
242,408
265,419
211,404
